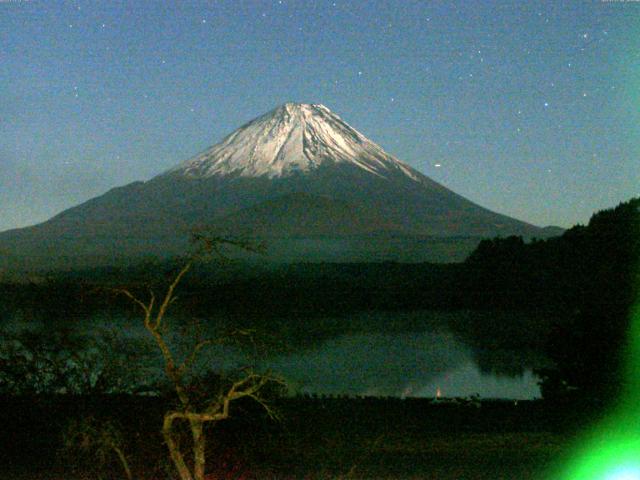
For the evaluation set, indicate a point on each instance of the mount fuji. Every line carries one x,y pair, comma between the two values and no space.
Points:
299,178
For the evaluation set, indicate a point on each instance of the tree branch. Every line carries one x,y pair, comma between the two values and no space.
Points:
188,362
168,298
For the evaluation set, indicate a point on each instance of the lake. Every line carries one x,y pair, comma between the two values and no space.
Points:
402,354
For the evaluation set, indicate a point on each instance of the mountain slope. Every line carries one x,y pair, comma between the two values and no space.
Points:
296,172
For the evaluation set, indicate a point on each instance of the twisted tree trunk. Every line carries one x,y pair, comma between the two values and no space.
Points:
174,448
199,441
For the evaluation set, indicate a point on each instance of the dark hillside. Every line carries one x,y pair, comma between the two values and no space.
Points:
590,274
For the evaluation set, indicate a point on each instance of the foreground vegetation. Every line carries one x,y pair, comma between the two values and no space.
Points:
316,438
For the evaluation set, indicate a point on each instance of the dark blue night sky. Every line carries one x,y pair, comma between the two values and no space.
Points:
528,108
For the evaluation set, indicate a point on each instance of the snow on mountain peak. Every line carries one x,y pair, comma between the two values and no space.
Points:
294,137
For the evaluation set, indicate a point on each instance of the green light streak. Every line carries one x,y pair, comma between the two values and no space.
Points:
611,450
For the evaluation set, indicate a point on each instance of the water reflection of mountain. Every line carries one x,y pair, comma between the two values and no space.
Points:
409,364
405,353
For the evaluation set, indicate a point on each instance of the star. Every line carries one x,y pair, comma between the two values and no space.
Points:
546,104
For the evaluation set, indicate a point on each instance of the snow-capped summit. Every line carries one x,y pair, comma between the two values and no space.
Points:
294,137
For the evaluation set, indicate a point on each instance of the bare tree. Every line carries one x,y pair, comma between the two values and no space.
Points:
191,410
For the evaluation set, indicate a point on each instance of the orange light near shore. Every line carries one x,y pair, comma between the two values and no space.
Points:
438,392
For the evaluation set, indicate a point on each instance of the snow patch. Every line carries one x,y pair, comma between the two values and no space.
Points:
292,138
